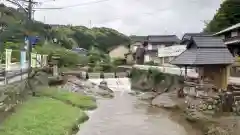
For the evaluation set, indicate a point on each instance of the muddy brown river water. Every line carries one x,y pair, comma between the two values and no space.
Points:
126,115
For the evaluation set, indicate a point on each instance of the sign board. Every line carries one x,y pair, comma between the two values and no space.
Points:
39,62
8,59
23,59
44,60
33,41
171,51
33,60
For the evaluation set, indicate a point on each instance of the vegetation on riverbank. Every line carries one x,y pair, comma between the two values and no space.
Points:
75,99
151,79
54,111
43,116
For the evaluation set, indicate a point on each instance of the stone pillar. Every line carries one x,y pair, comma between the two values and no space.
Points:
55,70
55,59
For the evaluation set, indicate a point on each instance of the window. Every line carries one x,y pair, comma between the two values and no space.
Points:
234,34
150,47
228,35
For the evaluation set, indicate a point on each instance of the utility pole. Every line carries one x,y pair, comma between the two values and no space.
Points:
29,24
90,24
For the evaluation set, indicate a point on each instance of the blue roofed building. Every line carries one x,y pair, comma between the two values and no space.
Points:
80,51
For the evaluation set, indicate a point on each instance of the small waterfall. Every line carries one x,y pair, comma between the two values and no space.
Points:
116,84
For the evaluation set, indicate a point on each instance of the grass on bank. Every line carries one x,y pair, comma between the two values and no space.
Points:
43,116
75,99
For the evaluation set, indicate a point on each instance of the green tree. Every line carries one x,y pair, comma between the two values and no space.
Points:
67,36
227,15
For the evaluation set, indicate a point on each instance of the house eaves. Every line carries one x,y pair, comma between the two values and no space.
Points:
236,26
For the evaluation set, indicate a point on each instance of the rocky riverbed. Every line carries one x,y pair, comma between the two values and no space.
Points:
200,117
75,84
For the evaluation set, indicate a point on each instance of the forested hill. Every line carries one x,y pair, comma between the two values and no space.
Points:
103,38
227,15
13,29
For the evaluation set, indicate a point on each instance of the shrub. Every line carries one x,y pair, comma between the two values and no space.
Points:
151,63
119,61
107,67
155,75
67,57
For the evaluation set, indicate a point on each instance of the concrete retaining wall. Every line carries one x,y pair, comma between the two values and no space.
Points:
96,75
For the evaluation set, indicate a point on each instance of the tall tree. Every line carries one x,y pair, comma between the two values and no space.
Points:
227,15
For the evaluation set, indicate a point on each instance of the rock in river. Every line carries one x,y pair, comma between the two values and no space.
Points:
164,100
147,96
86,87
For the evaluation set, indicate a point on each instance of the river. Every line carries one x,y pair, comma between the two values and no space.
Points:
126,115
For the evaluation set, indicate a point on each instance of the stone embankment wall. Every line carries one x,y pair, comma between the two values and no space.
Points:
15,93
148,80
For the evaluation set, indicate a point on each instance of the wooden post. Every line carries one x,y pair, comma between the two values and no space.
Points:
225,75
185,72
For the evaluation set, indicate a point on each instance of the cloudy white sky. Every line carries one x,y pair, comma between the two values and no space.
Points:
139,17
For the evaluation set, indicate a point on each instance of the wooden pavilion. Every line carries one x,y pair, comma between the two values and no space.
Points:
210,56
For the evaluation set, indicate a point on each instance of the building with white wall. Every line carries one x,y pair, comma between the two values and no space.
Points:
158,41
167,54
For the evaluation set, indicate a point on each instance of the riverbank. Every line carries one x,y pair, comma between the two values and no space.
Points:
43,116
55,110
199,113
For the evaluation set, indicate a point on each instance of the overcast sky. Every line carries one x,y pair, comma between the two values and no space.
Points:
139,17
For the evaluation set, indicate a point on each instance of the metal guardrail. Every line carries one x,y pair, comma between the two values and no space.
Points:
16,71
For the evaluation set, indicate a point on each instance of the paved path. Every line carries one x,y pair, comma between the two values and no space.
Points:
178,71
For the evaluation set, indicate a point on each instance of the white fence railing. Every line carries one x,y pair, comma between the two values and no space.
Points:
170,70
178,71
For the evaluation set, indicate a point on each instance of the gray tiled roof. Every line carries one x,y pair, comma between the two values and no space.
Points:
138,38
163,38
189,35
207,41
202,56
204,50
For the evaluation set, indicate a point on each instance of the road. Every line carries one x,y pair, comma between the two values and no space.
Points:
181,72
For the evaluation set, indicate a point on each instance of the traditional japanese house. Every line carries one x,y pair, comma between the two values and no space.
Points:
210,56
167,54
136,42
158,41
231,38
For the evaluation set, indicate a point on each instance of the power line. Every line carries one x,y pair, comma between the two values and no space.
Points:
75,5
143,13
